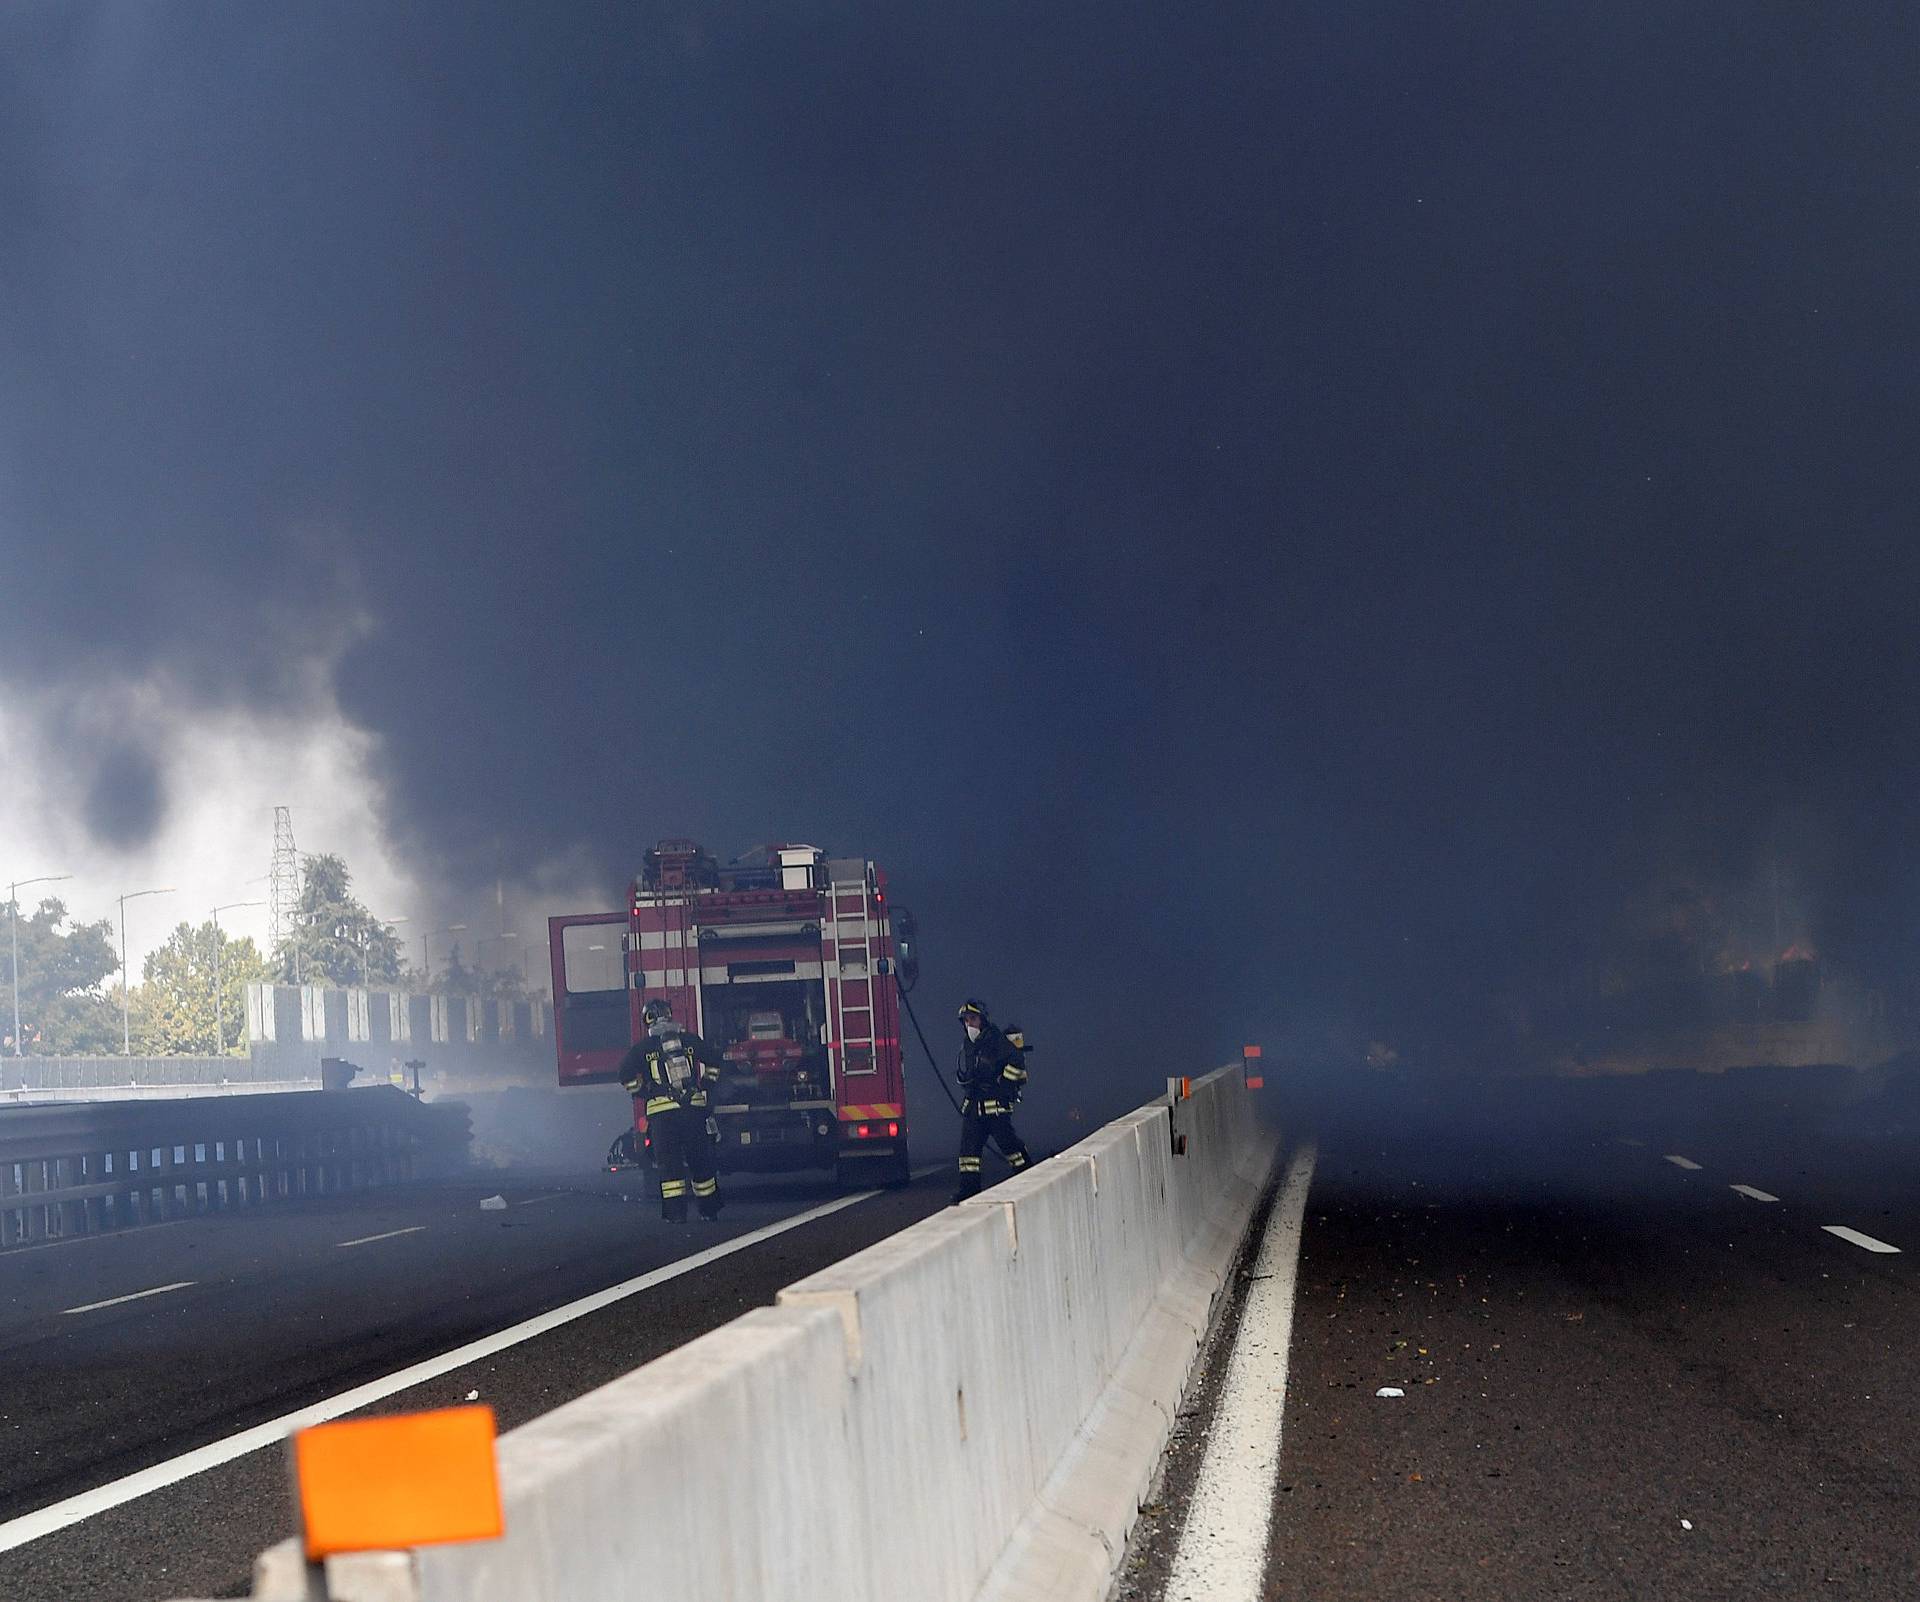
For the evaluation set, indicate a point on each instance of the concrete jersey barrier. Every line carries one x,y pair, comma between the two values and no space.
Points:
969,1409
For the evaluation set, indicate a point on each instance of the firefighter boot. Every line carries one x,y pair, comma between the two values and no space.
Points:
969,1181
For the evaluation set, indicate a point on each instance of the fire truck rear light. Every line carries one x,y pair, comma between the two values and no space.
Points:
863,1131
893,1131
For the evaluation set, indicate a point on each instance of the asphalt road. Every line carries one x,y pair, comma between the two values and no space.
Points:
253,1316
1622,1377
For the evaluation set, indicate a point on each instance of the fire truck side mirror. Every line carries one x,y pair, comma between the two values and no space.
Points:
906,943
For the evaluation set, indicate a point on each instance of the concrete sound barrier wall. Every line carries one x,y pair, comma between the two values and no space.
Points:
970,1409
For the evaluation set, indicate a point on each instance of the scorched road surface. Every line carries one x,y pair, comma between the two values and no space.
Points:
1623,1376
123,1351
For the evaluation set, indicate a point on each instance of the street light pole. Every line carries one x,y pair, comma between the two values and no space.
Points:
219,997
126,1027
13,929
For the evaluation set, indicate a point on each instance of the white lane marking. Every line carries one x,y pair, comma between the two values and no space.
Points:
1222,1554
115,1301
1628,1140
535,1201
1757,1195
367,1240
1865,1242
60,1515
1683,1162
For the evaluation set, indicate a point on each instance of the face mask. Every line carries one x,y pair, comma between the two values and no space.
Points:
973,1031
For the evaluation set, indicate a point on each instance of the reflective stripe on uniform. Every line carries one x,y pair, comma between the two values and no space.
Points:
1017,1160
705,1187
670,1188
969,1165
660,1104
1016,1074
991,1109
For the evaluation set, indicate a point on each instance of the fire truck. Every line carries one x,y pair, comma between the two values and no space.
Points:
786,959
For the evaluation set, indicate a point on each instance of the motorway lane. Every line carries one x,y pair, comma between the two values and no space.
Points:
282,1314
1623,1378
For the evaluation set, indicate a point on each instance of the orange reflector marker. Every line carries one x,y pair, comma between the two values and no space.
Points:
1249,1051
1186,1087
417,1479
1256,1082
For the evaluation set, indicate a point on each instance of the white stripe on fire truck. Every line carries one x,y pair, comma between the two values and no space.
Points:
659,940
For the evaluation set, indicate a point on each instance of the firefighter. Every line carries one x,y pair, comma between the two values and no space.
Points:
672,1069
993,1072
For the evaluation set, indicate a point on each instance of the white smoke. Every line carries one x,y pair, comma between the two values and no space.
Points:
222,773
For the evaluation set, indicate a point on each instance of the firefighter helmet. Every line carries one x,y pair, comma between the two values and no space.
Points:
973,1009
655,1011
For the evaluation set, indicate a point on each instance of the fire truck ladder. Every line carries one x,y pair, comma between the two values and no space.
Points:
844,953
680,921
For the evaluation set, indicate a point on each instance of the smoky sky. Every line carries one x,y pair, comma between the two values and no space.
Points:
1264,517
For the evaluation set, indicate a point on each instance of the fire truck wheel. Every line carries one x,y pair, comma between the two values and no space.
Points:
899,1172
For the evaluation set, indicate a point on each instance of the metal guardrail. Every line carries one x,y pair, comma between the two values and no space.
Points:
76,1169
28,1076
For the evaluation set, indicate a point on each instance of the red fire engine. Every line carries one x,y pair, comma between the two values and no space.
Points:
784,959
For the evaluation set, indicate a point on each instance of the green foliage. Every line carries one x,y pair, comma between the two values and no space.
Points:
335,940
175,1011
65,1004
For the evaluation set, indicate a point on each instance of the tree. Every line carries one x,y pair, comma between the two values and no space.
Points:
175,1012
455,978
335,940
64,1004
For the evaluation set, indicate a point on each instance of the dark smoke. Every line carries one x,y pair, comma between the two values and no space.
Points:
1268,520
125,800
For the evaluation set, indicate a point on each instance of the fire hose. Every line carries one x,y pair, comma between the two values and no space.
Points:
940,1078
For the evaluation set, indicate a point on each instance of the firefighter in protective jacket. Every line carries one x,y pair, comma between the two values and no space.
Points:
993,1072
672,1071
